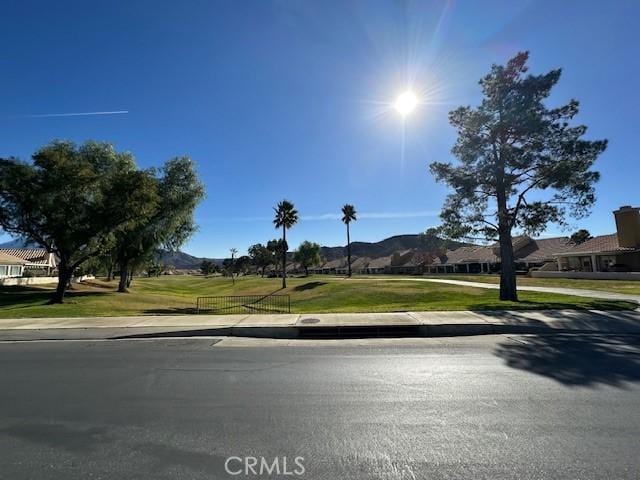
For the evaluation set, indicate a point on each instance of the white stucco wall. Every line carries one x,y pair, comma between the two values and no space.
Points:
39,280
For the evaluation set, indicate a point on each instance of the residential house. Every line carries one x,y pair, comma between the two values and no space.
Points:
528,253
332,266
410,262
616,252
357,265
467,259
11,266
37,260
360,264
378,265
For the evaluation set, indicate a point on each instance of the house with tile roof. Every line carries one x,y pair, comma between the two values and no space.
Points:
528,253
357,265
378,265
616,252
36,259
11,266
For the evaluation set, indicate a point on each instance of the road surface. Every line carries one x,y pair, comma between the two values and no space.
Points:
480,407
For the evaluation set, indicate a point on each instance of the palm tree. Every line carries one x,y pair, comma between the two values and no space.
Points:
348,215
286,217
233,252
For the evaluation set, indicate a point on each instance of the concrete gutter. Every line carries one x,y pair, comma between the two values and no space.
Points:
326,325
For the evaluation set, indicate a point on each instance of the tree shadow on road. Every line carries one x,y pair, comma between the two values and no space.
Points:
58,436
576,360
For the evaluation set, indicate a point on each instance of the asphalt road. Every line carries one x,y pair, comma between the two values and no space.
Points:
478,407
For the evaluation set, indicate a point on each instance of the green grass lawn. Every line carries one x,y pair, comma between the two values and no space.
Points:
618,286
177,294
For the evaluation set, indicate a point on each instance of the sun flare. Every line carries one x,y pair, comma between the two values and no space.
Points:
406,103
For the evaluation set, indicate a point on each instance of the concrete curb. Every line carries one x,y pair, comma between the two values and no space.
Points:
305,333
327,325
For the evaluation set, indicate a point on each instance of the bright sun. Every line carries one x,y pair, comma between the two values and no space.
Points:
406,103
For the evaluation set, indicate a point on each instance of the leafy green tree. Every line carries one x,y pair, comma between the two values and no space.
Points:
261,257
286,217
521,164
580,236
308,255
433,241
276,248
70,200
153,267
207,267
243,264
348,216
169,222
99,266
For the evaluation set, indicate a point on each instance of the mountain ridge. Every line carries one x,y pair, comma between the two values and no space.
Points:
184,261
382,248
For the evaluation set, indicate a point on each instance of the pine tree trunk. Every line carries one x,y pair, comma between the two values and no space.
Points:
64,277
284,257
508,287
124,275
110,272
348,251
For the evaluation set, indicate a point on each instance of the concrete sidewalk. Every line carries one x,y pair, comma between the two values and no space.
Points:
326,325
577,292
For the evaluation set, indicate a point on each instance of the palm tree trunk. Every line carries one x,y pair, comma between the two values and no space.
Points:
284,257
348,251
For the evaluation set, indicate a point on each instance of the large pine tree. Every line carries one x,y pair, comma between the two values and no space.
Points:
521,164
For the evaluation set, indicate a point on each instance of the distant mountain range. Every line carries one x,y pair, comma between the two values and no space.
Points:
184,261
17,243
383,248
387,247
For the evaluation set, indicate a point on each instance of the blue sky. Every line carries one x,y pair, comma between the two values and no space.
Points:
287,99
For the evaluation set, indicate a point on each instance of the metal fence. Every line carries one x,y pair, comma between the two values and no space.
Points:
244,304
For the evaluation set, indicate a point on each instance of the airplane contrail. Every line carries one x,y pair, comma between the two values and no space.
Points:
374,215
73,114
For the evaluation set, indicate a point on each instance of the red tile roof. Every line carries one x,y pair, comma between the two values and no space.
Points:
470,254
541,250
533,251
33,256
601,244
6,259
380,262
360,262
